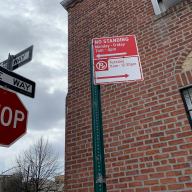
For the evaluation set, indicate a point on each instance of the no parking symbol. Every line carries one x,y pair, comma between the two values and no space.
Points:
101,65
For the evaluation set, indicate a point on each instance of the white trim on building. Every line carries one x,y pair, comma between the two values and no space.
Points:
161,6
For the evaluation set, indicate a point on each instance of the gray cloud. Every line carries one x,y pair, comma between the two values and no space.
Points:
36,22
47,110
14,35
44,25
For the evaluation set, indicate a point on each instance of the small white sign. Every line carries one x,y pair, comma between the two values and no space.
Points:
17,82
120,69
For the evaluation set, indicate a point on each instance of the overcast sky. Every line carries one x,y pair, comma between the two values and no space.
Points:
43,24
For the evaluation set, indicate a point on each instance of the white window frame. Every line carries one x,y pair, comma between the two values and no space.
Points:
163,6
156,7
187,99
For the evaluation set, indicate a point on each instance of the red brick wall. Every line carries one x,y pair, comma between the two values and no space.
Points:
148,139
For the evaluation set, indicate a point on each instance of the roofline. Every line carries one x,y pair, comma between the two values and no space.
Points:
69,3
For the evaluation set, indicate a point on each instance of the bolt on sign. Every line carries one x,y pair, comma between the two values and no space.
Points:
116,59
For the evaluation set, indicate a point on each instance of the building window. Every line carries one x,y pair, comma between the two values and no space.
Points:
161,6
187,99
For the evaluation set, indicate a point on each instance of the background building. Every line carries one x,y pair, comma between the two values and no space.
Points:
13,183
147,125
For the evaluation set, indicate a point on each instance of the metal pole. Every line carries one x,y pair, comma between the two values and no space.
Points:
9,62
97,135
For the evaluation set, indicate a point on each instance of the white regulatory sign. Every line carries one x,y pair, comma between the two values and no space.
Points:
116,59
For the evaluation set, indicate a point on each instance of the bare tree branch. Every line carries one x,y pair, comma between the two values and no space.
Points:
37,167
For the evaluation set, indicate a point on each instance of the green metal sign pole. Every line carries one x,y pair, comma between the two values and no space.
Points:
97,135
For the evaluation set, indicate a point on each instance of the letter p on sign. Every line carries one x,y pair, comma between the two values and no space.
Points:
101,65
19,116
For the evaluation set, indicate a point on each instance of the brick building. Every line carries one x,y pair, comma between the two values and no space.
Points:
147,124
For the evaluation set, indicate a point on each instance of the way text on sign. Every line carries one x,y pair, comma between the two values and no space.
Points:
17,83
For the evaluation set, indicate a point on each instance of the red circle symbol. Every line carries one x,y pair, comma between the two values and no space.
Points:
101,66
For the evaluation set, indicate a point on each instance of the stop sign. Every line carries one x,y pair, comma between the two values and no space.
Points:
13,118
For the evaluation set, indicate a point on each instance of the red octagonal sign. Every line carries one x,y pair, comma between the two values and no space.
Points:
13,118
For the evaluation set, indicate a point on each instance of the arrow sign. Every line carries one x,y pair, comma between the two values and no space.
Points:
19,59
17,83
115,76
113,54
